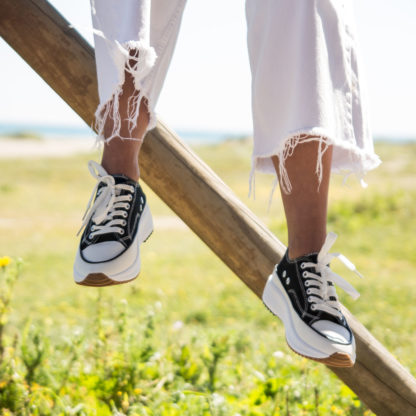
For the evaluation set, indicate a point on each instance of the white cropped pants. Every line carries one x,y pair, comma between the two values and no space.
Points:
305,79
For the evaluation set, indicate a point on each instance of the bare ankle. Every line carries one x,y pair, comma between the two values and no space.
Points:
116,161
305,247
131,171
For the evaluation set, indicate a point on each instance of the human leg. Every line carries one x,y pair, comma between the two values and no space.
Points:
121,156
306,205
133,46
326,336
308,120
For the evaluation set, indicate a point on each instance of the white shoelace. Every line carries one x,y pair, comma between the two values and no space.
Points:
108,204
324,297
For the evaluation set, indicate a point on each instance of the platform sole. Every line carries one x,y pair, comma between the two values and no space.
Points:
300,337
121,270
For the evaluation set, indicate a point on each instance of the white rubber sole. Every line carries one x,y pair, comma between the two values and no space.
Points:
120,270
300,337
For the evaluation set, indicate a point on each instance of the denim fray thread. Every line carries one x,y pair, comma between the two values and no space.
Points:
287,151
143,58
361,160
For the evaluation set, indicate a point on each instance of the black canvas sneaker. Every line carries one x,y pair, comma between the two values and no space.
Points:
116,224
301,293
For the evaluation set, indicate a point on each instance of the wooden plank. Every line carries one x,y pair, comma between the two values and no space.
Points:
66,62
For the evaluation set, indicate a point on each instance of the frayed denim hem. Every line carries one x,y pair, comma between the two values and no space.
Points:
137,59
357,160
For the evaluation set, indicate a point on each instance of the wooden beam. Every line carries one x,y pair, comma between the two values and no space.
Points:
66,62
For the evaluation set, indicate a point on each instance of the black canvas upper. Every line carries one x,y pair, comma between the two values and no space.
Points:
137,205
289,273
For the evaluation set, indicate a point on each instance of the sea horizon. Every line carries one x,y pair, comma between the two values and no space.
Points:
190,136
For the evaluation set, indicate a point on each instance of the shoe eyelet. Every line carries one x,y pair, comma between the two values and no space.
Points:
121,232
124,214
313,307
90,236
287,280
308,292
284,273
305,274
309,299
92,227
302,265
141,200
124,223
127,206
307,283
130,197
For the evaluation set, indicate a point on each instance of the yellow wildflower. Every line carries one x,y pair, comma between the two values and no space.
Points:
5,261
137,391
336,410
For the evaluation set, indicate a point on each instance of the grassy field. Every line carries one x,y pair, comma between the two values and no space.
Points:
187,337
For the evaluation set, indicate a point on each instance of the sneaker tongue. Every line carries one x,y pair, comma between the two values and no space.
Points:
122,179
311,258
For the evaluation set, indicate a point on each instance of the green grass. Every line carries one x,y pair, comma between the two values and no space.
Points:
187,337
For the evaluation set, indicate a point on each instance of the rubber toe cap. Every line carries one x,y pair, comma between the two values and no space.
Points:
333,332
101,252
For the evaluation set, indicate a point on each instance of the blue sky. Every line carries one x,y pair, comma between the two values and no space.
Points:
208,85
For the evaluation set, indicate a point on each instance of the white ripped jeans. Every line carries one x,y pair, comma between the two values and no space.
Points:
305,79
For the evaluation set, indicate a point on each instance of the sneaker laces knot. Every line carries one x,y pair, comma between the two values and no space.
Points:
322,295
108,202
